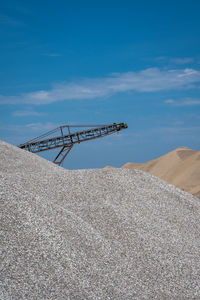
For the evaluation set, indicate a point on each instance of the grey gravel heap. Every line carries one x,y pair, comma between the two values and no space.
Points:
94,234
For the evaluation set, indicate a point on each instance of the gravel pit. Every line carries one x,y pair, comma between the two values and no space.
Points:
94,234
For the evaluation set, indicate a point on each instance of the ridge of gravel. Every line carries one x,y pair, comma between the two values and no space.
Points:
94,234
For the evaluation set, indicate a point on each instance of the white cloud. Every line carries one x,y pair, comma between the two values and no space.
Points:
169,101
149,80
26,113
176,60
182,61
41,126
183,102
31,127
187,72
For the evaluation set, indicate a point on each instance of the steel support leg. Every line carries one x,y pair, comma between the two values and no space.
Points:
62,154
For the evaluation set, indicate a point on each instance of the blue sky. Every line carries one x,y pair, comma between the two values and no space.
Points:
99,62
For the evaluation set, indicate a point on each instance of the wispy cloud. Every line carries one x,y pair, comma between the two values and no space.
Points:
149,80
41,126
182,61
30,127
27,113
176,60
183,102
7,20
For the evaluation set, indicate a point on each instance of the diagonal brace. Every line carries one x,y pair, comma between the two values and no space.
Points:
62,154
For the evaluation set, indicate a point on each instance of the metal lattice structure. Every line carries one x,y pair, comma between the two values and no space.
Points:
66,141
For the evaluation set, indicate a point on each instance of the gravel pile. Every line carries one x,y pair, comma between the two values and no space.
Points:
94,234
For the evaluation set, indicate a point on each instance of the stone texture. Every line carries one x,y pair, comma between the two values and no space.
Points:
94,234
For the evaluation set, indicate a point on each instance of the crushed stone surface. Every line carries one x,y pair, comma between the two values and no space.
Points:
94,234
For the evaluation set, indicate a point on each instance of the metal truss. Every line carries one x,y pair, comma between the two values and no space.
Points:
66,141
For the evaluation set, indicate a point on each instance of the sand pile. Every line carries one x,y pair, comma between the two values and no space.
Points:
180,167
94,234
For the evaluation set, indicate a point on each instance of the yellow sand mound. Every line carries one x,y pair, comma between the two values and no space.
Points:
180,167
